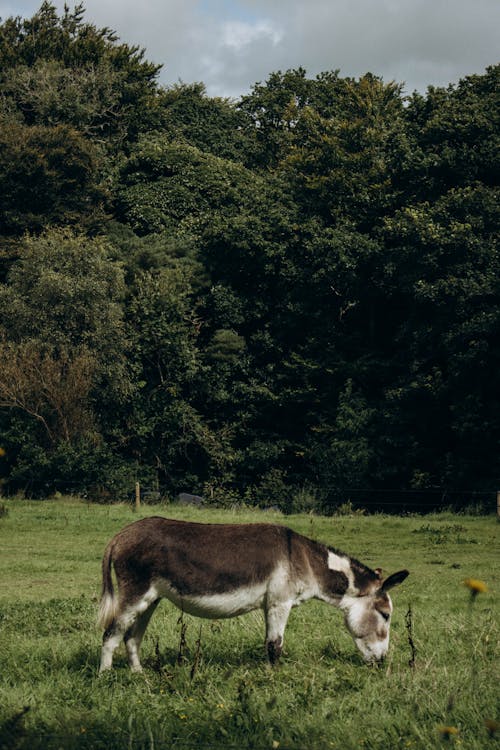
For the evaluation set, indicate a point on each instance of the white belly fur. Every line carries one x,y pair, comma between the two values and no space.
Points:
216,606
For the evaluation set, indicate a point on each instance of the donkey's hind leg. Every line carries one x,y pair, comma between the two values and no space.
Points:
110,641
133,636
123,628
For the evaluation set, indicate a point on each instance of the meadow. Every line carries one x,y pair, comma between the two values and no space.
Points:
206,684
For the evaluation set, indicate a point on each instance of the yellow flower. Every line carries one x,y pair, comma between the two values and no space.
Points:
475,586
447,732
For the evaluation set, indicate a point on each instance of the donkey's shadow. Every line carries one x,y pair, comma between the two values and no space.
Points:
216,654
250,654
159,657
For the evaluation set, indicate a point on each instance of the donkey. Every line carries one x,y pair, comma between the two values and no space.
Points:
226,570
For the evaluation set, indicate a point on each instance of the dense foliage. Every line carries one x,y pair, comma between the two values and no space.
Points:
281,298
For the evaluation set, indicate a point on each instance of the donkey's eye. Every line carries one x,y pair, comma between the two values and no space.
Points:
385,615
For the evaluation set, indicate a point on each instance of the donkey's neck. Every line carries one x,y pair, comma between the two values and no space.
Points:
340,564
339,575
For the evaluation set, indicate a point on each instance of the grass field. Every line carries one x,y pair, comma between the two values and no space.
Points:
216,690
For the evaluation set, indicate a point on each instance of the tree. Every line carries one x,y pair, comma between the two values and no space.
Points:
453,137
62,70
52,387
442,408
340,165
171,185
341,451
271,111
65,291
163,330
213,125
290,298
48,176
66,379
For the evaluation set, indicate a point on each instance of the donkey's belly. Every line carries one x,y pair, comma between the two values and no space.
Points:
216,606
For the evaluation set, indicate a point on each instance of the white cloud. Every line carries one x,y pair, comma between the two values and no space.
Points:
237,34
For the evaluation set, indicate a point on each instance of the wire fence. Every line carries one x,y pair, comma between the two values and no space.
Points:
369,500
421,501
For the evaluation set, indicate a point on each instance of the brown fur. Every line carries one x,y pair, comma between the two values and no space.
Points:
197,558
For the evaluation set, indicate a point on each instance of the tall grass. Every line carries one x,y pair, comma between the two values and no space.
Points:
207,683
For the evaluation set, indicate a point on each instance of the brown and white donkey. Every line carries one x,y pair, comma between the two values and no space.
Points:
225,570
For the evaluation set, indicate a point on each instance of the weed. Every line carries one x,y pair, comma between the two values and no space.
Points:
348,509
411,638
452,533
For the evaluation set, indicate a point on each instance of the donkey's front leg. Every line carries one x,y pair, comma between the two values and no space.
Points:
276,619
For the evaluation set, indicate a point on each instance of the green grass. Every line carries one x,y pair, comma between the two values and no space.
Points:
220,693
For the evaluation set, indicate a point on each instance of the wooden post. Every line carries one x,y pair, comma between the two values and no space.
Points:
498,503
137,495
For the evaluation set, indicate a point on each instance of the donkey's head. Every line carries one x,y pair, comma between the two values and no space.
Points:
368,617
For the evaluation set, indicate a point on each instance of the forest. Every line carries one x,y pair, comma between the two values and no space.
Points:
276,300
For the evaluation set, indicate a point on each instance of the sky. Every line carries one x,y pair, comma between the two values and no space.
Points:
229,45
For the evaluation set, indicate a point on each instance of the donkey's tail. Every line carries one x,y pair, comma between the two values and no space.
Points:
108,605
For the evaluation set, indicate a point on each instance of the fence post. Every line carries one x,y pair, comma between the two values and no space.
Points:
137,495
498,503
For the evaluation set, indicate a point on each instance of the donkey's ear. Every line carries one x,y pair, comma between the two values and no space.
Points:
394,580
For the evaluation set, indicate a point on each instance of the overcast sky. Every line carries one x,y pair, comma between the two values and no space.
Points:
230,45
